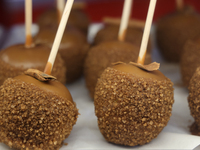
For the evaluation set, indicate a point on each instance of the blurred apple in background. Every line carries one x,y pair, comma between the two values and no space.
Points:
12,11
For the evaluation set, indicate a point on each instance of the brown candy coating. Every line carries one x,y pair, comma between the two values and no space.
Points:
110,33
190,61
131,69
174,30
132,110
35,116
73,49
50,86
16,59
103,55
194,100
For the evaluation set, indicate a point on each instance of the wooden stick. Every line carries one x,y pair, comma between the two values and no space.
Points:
132,23
28,23
60,9
146,33
179,4
58,37
125,18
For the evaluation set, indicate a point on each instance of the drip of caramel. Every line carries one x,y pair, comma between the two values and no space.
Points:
29,41
49,86
141,59
123,35
132,69
48,68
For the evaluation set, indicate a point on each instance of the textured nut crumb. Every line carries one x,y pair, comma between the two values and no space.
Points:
135,110
194,101
31,118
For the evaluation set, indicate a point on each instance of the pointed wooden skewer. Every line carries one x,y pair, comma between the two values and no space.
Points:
60,9
28,23
179,4
125,18
58,37
132,23
146,33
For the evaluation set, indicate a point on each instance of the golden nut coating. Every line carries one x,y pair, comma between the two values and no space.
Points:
33,117
110,33
190,60
194,101
174,30
73,49
16,59
103,55
132,110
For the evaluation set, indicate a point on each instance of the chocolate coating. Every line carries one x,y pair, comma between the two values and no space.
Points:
190,60
35,116
16,59
110,33
132,110
103,55
77,18
194,101
174,30
73,49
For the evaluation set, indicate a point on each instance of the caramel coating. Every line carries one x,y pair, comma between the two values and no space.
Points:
174,30
50,86
110,33
190,60
73,49
138,72
35,117
132,110
194,101
16,59
103,55
77,18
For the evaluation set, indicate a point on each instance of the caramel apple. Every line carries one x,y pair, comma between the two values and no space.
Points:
16,59
38,114
103,55
194,101
132,105
190,61
73,49
110,33
77,18
174,30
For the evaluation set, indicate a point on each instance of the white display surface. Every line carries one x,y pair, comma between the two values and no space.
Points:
86,135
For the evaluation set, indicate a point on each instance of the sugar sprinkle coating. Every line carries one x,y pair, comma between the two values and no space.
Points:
194,100
32,118
131,110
